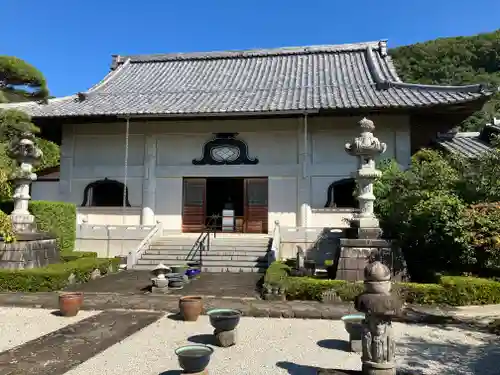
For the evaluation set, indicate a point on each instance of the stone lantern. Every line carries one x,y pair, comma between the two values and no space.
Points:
160,280
365,148
26,155
379,306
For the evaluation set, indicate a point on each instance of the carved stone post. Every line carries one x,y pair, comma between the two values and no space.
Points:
366,147
26,155
379,306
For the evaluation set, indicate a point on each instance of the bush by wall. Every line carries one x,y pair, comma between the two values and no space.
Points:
450,290
55,276
58,218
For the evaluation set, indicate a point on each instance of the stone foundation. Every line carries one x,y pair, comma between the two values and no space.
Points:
355,253
29,251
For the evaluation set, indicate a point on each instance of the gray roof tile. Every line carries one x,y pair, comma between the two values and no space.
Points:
469,144
346,76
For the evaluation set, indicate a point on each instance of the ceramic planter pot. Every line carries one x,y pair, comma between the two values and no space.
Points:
178,269
194,358
70,303
224,319
353,325
190,307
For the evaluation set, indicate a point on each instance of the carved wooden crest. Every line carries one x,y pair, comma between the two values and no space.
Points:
225,149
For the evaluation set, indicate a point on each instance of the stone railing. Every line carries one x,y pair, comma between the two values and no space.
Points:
274,252
134,255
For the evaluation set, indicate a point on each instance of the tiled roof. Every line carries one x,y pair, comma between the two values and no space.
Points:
469,144
312,78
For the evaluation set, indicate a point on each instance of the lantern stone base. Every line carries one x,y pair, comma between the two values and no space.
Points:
22,222
160,286
373,368
30,250
364,228
355,254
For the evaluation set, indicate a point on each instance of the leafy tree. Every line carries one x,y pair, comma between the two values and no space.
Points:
455,61
442,212
20,81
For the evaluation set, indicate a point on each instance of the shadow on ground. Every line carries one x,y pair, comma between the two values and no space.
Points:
205,339
334,344
449,357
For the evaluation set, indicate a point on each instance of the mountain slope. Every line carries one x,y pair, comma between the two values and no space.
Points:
455,61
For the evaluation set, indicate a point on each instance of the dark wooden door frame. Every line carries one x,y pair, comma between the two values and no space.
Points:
191,211
256,216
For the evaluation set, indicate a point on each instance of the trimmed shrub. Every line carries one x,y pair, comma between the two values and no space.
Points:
55,276
58,218
74,255
450,290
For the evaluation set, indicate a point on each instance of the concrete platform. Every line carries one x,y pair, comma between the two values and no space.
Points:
238,285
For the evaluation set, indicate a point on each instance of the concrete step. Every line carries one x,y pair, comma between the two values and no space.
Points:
212,243
223,258
208,269
206,263
216,252
157,246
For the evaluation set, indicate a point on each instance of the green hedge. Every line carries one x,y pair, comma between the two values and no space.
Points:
55,276
58,218
74,255
451,290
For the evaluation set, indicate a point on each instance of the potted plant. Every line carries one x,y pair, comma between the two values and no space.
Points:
179,268
190,307
224,319
70,303
194,358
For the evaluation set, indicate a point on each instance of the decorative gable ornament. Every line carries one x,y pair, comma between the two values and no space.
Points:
225,149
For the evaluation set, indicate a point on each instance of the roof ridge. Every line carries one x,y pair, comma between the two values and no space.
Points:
260,52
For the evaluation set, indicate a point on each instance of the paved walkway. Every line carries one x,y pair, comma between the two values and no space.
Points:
479,316
227,284
143,342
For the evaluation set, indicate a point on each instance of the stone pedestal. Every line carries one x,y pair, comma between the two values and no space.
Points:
160,285
225,338
30,250
380,307
355,254
355,345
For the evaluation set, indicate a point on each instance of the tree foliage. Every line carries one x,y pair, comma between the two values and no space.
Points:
455,61
443,212
20,81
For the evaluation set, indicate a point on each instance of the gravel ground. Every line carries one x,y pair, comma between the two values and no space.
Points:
293,346
20,325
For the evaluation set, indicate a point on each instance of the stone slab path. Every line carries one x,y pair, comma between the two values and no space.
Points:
143,342
225,284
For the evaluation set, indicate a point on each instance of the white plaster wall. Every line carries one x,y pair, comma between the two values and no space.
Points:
282,201
108,215
168,207
45,191
330,218
330,162
96,151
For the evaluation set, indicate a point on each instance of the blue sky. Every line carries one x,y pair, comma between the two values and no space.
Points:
71,42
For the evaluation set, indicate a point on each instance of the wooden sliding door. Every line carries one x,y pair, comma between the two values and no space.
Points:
256,205
194,204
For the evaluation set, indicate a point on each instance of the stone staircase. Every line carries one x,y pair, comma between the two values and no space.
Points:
229,252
